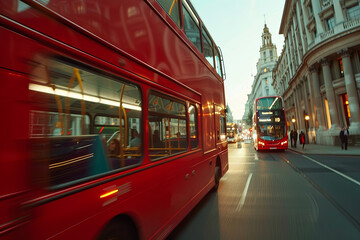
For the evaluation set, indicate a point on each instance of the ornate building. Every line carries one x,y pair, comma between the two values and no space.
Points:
262,85
318,72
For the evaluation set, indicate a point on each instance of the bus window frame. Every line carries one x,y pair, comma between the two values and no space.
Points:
157,114
111,76
181,25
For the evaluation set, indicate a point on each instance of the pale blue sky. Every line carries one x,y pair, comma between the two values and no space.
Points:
236,26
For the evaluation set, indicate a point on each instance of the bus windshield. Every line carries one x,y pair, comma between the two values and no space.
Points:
271,124
269,103
271,131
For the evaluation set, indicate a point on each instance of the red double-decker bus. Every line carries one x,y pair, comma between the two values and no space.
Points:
269,124
112,115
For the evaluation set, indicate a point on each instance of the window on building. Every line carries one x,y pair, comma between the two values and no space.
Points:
330,23
172,9
353,12
327,113
264,54
191,26
340,62
345,102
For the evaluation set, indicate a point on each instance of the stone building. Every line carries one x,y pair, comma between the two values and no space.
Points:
318,71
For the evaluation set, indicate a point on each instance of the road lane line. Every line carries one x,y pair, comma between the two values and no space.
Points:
243,196
335,171
256,157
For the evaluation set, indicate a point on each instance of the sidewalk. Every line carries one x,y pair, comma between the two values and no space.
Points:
325,149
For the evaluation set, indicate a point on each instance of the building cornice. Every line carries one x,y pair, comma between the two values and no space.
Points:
285,16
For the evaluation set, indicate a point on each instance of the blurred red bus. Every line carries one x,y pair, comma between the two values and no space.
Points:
269,124
112,115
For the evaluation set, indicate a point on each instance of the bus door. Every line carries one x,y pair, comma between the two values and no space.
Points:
209,131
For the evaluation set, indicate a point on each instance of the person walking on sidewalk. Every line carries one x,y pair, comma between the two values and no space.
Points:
295,137
302,139
344,137
291,137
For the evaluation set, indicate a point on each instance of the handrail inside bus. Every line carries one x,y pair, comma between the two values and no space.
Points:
120,127
76,74
172,6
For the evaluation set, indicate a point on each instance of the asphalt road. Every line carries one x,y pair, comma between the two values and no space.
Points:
279,195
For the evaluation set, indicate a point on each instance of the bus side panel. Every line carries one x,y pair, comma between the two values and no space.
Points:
13,150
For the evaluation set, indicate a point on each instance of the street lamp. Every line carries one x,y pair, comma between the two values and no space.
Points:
307,117
293,121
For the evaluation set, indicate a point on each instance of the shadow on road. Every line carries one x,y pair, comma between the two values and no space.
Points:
204,221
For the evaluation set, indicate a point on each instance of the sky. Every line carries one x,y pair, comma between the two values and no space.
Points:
236,27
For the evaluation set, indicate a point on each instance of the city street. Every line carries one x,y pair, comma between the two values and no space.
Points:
279,195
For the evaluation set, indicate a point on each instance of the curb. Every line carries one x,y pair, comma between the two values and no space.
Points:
332,154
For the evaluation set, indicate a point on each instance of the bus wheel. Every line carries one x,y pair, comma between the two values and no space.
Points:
217,177
119,229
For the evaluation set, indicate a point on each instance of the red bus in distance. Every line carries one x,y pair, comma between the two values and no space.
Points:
269,124
113,116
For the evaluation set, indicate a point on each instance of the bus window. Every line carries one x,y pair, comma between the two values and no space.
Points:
218,63
208,47
193,122
66,99
167,120
172,9
222,127
191,26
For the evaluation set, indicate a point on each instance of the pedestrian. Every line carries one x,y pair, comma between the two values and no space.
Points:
291,137
344,133
295,137
302,139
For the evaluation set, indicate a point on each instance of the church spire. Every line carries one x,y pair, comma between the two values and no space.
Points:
266,38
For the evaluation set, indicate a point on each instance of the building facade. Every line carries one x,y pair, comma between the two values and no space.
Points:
318,71
262,84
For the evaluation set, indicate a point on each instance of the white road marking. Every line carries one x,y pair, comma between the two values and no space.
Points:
256,157
335,171
243,196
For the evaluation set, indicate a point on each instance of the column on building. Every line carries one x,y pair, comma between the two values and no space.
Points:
351,89
306,103
297,108
311,107
300,23
317,96
330,94
316,9
295,43
339,16
301,111
288,54
293,110
306,21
